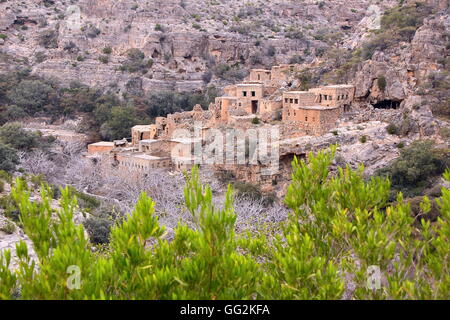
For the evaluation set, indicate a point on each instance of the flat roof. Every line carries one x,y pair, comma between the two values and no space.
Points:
149,140
142,126
186,140
228,97
148,157
339,86
299,92
142,156
103,144
249,85
317,107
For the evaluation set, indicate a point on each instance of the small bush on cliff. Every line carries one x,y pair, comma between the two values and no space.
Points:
255,120
392,129
99,229
397,24
381,82
136,62
13,135
8,227
104,59
31,95
48,39
107,50
92,31
417,163
121,119
8,158
230,72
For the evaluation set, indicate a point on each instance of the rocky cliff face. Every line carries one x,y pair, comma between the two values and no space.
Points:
407,66
184,39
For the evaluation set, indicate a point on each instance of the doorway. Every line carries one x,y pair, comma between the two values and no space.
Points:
254,106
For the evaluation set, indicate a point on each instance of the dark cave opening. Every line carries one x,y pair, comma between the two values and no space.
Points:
387,104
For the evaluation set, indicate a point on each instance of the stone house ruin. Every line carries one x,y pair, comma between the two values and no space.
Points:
264,94
317,110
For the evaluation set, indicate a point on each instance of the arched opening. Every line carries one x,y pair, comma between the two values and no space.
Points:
387,104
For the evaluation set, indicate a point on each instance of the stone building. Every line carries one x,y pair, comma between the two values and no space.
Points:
260,75
335,95
264,94
313,120
275,76
316,111
142,162
139,133
102,147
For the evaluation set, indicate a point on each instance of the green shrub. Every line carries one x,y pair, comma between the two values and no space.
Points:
136,61
363,139
444,132
118,125
296,59
40,57
158,27
107,50
38,180
255,120
5,176
85,201
104,59
417,163
271,51
293,33
397,24
10,209
381,82
13,135
99,229
31,95
92,31
339,226
392,129
8,158
12,113
226,176
8,227
247,190
3,36
230,72
48,39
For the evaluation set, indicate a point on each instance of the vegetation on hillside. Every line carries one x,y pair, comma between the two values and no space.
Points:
397,24
417,167
23,95
339,229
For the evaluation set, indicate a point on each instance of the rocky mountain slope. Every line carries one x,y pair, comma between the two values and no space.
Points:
183,41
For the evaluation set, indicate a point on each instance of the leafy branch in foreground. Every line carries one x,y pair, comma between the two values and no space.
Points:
339,227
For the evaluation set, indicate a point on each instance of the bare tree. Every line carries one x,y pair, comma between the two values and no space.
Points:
97,177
